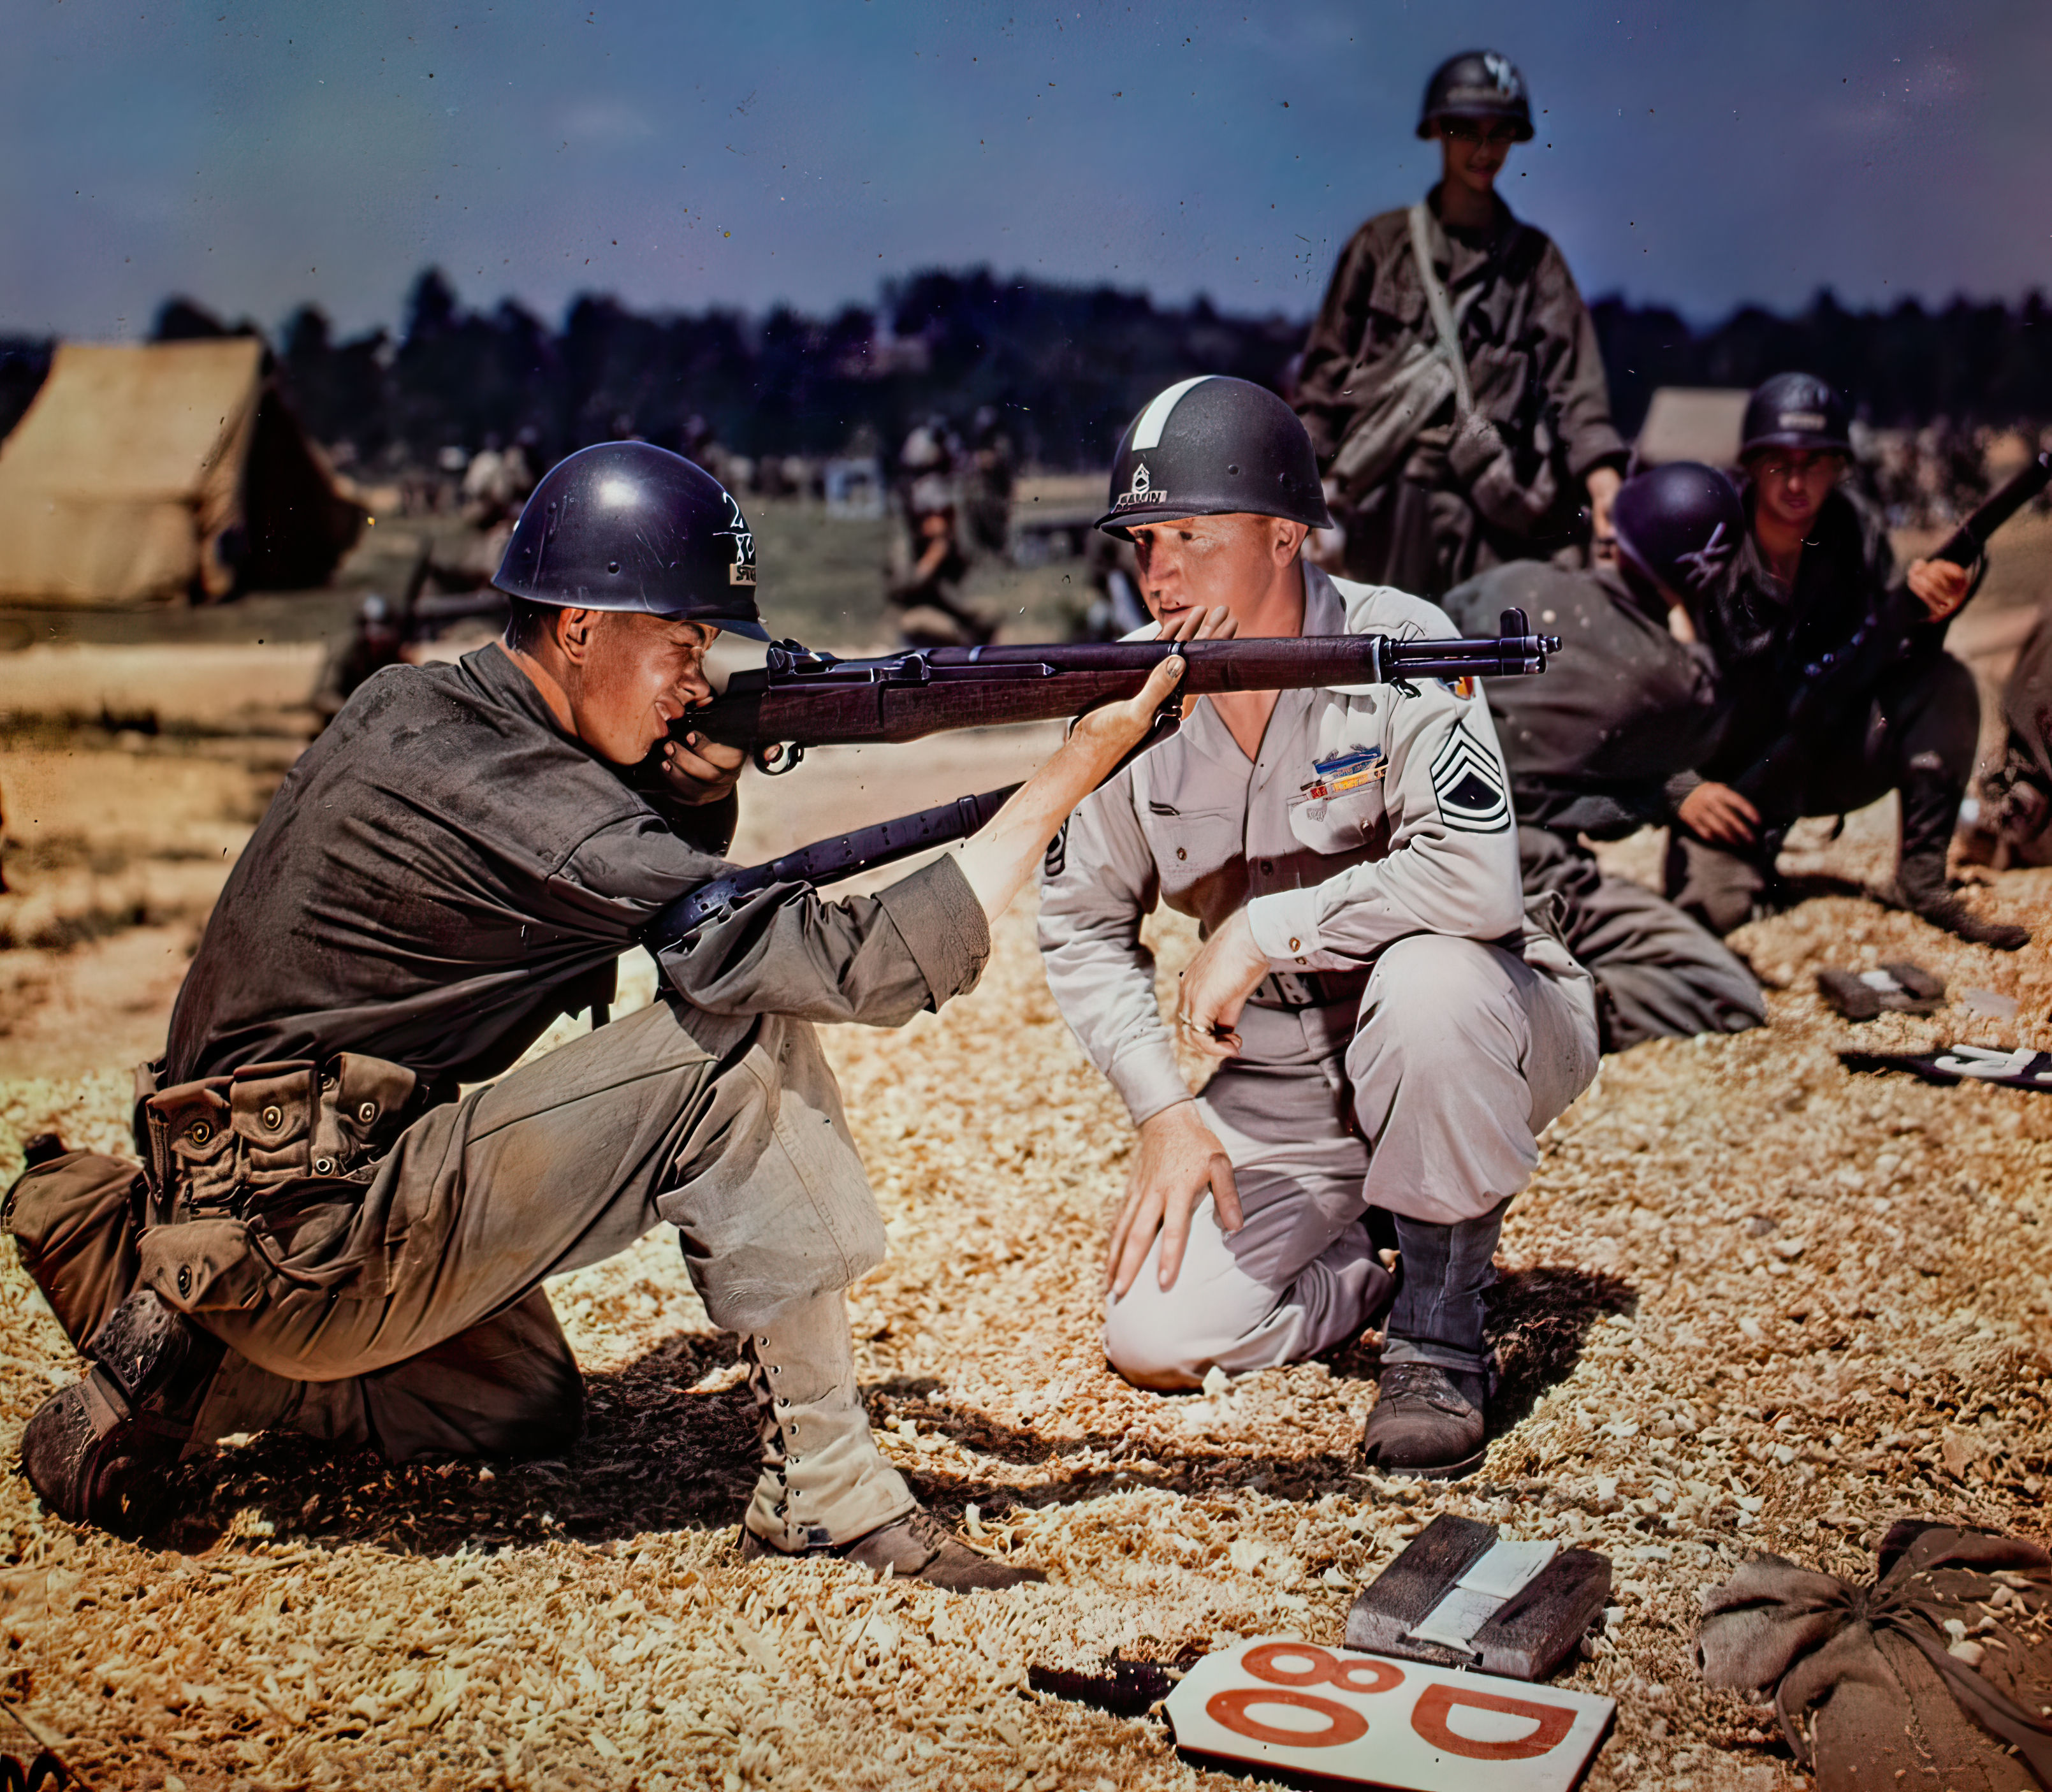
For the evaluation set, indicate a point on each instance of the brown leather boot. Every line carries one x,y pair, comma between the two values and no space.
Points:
1930,801
1428,1421
917,1546
100,1451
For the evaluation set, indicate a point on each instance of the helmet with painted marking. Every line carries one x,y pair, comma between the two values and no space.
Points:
1479,84
627,526
1795,410
1211,446
1680,523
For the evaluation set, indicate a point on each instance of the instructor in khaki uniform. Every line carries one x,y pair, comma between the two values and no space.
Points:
325,1234
1391,1032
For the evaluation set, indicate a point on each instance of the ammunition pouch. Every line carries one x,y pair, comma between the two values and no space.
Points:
249,1173
224,1144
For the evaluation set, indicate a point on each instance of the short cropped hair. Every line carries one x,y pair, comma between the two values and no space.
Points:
529,623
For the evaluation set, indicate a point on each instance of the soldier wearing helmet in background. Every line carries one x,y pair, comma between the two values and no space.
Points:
1451,383
1390,1031
923,580
1602,745
327,1235
1814,560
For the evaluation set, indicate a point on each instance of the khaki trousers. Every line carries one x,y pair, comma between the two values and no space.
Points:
1427,1102
398,1302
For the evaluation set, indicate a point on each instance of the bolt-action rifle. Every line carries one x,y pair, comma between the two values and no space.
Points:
1835,682
1093,674
799,699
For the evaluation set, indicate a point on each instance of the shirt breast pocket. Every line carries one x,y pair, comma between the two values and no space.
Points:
1190,844
1346,823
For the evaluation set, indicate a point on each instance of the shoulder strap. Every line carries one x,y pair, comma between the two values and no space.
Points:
1443,326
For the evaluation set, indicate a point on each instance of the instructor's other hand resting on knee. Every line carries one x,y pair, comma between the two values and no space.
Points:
1180,1158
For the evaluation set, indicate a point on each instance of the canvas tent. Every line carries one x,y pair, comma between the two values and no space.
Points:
1692,423
145,472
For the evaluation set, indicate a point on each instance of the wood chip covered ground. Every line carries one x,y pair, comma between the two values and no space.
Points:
1751,1301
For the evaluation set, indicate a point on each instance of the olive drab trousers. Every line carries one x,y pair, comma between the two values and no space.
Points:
379,1284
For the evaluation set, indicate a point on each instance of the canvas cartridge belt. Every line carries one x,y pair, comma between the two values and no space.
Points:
221,1145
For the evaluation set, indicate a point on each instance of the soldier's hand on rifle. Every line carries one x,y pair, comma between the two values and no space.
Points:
1179,1158
1197,623
1939,586
699,770
1714,811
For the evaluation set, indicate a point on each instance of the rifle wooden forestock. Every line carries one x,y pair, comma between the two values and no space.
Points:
807,699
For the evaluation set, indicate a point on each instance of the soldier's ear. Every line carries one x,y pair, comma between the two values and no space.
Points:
575,629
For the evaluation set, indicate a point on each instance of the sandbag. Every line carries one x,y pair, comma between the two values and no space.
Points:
1936,1676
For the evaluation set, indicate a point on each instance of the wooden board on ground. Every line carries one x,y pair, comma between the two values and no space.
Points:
1291,1707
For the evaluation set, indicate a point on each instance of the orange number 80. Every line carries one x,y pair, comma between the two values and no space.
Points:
1343,1724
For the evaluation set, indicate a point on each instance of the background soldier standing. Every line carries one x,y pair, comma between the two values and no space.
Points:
1452,384
1814,562
1599,747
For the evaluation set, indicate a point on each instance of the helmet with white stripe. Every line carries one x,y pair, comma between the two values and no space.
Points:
1212,446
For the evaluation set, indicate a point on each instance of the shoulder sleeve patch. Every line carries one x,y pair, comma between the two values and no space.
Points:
1468,784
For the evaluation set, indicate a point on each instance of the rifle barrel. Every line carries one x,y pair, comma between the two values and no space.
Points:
817,700
1967,543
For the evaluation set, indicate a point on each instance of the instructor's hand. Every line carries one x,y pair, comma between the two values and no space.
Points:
698,771
1109,732
1221,977
1180,1158
1939,586
1714,811
1004,853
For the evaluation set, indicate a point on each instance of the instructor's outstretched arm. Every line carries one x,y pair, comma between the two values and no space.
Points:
1003,854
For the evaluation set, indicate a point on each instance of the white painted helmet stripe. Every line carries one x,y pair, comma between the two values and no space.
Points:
1147,433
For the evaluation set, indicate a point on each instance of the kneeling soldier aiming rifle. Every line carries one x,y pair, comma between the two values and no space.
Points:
326,1235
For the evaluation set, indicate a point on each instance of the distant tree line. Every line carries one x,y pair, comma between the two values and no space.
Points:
1064,366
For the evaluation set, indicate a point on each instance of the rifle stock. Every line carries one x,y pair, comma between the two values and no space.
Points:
800,699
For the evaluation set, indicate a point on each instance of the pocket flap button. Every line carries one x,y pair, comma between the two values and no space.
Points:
367,1113
274,1117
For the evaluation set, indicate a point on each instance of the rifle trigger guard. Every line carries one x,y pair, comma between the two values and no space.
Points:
788,755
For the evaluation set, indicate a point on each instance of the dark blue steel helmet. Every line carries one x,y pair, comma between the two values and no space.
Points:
627,526
1479,84
1682,523
1795,410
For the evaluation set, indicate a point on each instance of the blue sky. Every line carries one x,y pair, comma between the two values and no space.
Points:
680,154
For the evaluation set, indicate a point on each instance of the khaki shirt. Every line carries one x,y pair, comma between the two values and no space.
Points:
1367,816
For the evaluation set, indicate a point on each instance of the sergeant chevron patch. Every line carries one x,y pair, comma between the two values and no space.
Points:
1470,787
